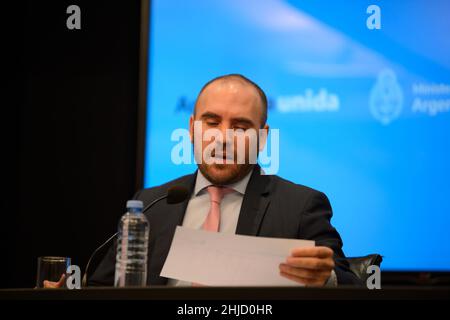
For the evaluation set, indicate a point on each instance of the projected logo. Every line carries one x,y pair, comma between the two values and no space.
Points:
386,97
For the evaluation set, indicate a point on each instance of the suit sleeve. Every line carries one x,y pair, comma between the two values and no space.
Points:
316,225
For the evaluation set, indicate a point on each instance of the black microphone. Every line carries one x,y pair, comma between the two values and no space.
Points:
175,194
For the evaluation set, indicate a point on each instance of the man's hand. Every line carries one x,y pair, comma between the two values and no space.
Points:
309,266
54,285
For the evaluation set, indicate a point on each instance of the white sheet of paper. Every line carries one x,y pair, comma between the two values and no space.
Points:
218,259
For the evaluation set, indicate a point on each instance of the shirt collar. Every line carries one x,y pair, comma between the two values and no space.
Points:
201,183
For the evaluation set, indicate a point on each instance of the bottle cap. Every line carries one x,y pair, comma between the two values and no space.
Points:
135,204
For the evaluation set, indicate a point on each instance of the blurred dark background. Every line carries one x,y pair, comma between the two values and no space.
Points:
70,131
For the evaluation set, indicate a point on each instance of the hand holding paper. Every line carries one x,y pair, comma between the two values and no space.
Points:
218,259
309,266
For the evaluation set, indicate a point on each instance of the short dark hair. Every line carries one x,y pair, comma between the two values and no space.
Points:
260,91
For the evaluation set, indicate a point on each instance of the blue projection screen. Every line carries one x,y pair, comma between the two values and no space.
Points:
360,95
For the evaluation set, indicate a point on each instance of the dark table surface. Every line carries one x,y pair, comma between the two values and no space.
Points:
229,293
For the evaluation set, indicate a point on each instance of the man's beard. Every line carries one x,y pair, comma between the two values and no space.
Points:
238,172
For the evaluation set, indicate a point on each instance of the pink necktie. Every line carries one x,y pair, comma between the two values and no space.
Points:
212,221
216,194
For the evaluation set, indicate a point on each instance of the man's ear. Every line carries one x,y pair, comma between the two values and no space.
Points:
263,134
191,128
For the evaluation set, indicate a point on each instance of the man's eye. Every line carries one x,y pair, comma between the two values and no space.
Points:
240,128
212,123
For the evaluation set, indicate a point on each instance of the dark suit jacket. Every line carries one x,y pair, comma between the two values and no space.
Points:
272,207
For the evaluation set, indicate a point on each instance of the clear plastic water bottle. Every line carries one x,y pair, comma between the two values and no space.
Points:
132,245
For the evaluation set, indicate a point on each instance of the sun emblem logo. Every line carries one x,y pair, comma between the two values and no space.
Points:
386,97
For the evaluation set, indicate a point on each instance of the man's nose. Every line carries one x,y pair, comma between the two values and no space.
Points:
226,136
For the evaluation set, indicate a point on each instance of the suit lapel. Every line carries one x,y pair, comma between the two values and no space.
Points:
254,204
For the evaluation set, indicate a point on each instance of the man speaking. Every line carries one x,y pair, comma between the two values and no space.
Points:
236,197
